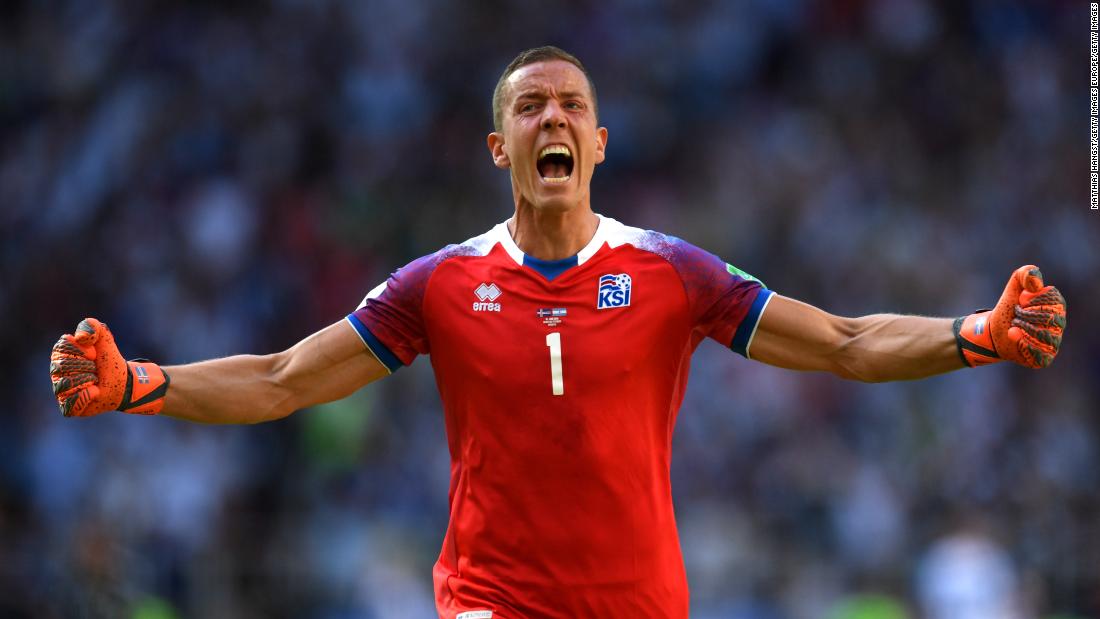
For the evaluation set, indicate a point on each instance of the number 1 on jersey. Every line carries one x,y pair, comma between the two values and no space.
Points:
553,340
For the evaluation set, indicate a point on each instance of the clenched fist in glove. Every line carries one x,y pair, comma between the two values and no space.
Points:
90,376
1025,327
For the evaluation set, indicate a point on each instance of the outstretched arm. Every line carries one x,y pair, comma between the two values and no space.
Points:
90,377
326,366
875,348
1026,327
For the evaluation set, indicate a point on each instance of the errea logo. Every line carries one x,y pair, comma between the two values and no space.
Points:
487,293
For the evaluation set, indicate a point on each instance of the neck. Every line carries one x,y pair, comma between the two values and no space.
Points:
552,235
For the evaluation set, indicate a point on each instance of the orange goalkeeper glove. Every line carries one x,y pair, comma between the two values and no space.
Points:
1025,327
90,376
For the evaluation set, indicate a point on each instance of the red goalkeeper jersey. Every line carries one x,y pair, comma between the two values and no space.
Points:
560,384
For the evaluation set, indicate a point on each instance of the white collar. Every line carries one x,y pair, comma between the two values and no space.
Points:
501,235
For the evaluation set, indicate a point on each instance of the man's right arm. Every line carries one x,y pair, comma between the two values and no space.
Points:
328,365
90,376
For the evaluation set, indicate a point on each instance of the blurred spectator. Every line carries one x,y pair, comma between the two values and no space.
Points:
966,575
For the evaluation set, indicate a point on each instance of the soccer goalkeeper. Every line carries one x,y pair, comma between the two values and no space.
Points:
561,342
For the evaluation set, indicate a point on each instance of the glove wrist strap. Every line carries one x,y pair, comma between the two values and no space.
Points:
146,386
974,340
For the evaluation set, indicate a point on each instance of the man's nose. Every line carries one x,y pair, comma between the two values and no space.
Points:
552,116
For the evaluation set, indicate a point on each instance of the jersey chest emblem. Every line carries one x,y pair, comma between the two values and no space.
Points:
487,294
613,291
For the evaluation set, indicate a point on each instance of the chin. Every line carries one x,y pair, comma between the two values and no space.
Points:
556,204
557,198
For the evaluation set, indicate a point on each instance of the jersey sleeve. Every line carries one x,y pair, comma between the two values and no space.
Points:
390,321
726,302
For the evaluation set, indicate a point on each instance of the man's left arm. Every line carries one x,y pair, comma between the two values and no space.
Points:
1026,327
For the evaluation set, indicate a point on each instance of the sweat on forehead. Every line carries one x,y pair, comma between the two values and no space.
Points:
544,54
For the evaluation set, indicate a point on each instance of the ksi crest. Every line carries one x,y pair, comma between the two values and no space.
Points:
614,291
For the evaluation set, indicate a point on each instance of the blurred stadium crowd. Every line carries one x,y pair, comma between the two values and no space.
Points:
214,178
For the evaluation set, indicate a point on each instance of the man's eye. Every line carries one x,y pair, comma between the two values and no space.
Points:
527,107
573,105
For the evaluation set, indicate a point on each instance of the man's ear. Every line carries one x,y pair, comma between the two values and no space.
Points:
496,150
601,143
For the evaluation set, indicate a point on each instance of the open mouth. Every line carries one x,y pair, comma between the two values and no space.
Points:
555,163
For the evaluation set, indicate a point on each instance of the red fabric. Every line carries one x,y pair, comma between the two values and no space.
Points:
560,504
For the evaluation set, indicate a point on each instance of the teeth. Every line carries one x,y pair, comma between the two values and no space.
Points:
555,149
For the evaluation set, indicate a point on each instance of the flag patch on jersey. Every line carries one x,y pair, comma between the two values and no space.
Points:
551,316
614,291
